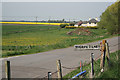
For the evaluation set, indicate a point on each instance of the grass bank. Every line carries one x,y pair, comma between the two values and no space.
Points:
109,72
29,39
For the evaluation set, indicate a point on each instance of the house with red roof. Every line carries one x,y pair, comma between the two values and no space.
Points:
78,24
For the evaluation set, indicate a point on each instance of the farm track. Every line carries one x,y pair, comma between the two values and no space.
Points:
38,65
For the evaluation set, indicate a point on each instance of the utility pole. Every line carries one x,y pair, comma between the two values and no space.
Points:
49,19
36,19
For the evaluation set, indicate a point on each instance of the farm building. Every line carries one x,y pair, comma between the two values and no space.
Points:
84,23
91,22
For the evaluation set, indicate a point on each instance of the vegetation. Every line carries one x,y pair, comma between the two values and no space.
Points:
72,24
57,21
63,25
109,72
109,18
27,39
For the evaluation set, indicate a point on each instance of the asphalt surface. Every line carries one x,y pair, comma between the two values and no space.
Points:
38,65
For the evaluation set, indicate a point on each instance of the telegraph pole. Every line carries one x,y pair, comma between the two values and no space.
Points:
49,19
36,19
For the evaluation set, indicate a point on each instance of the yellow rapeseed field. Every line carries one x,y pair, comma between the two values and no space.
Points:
32,23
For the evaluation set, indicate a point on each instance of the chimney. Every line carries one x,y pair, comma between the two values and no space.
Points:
89,18
96,18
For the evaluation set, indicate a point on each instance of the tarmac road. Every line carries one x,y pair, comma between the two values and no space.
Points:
38,65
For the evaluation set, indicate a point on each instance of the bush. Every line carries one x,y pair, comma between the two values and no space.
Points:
72,24
63,25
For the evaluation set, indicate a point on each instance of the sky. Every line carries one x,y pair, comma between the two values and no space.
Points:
53,10
58,0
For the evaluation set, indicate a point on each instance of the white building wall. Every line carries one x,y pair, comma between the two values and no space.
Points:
85,25
76,25
92,24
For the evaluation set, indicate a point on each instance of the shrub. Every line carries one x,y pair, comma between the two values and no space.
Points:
63,25
72,24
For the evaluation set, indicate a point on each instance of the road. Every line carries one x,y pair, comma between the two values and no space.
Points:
38,65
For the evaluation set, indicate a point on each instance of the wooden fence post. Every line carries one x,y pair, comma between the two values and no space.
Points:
49,76
107,54
59,69
7,69
102,63
92,65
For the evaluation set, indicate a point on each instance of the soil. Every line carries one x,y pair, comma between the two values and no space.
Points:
80,31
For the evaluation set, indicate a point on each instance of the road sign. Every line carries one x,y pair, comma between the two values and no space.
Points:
87,47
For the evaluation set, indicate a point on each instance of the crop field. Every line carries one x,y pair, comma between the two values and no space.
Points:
32,23
27,39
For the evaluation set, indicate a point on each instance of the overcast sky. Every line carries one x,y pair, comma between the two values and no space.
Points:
52,10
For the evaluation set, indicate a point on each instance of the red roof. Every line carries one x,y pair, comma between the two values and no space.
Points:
79,23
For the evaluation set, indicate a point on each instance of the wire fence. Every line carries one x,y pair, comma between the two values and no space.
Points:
72,68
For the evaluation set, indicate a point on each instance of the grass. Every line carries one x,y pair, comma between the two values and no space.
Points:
29,39
109,72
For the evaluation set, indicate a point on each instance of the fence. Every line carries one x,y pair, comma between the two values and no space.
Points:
104,48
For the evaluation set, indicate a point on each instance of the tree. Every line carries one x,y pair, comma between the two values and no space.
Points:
109,18
63,20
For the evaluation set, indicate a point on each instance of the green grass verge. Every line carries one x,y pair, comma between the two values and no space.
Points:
109,72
